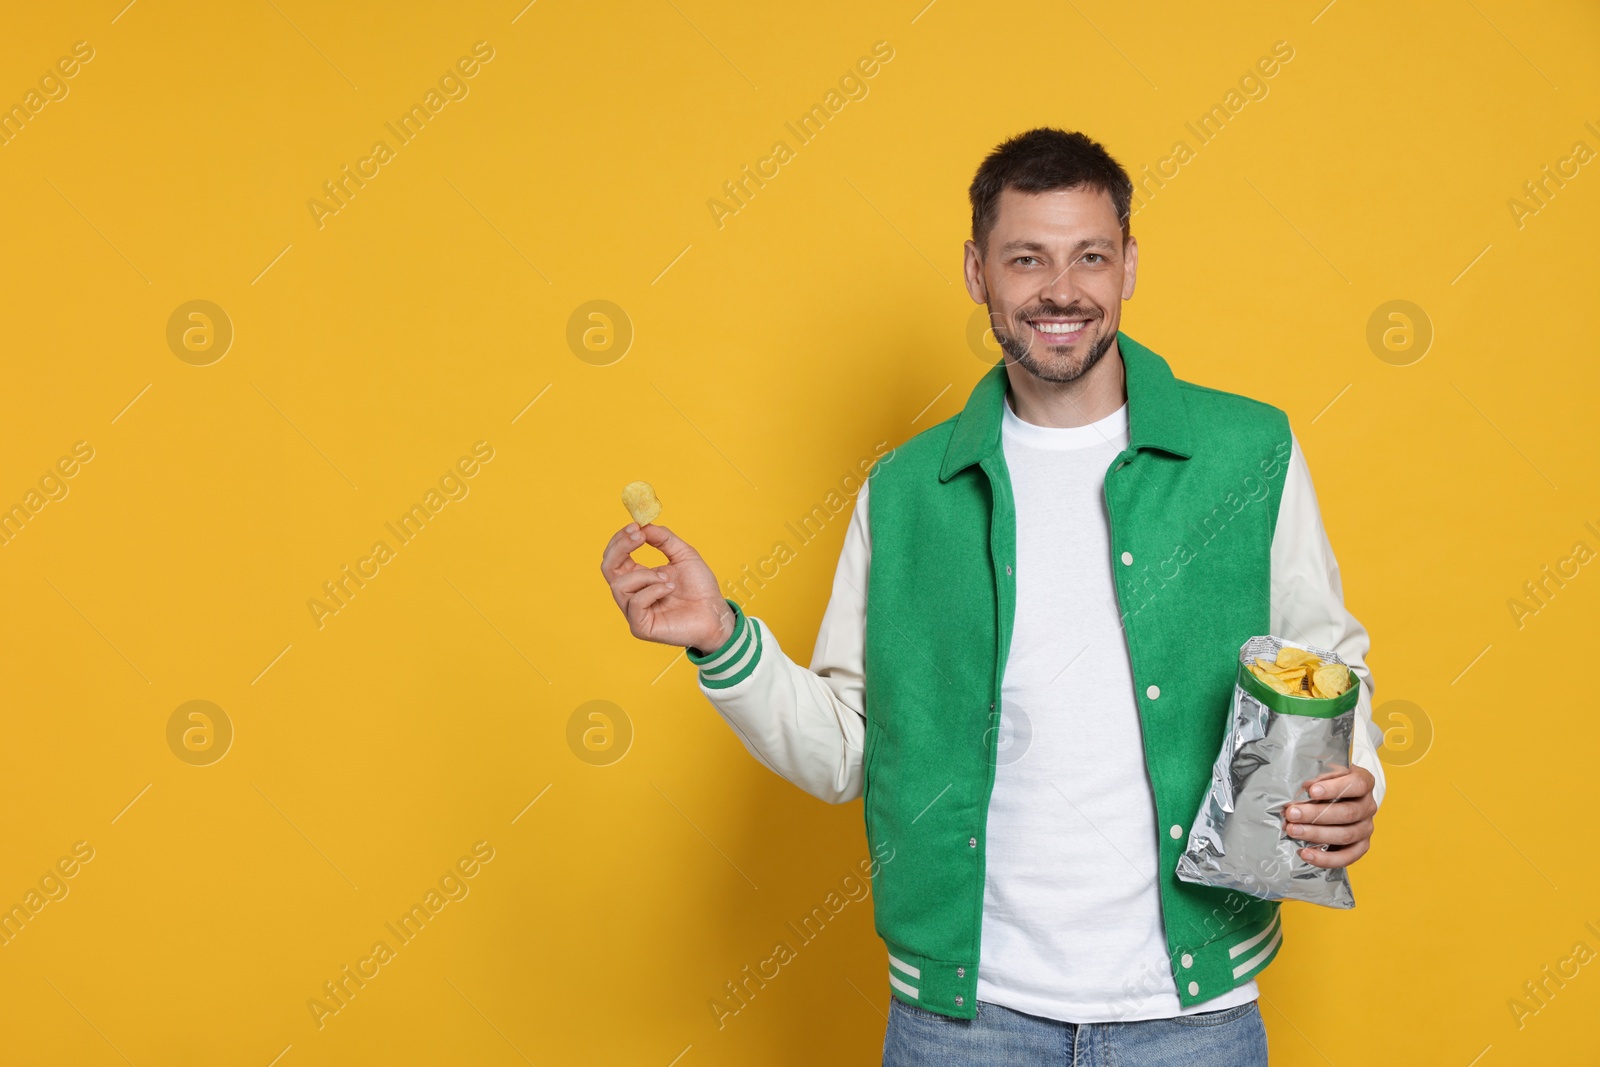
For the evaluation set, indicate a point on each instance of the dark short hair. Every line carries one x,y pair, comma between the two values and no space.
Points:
1039,161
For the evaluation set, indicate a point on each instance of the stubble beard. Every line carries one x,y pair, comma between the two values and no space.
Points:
1059,367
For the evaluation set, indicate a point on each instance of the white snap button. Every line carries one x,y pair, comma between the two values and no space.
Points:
1154,692
1187,961
1127,559
1194,988
1176,831
972,842
960,1001
961,972
1008,568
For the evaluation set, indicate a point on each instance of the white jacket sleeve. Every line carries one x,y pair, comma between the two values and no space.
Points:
1308,602
806,725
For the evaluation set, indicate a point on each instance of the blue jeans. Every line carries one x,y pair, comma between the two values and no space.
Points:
1000,1037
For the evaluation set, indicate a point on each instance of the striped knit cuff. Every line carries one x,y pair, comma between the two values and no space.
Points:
736,659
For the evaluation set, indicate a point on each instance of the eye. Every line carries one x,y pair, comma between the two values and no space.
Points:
1019,259
1094,257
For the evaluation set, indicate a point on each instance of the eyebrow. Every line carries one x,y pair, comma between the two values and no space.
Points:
1034,246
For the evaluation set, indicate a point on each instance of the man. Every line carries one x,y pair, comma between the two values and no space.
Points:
1026,664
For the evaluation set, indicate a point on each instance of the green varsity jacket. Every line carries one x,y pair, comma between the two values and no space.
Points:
1192,504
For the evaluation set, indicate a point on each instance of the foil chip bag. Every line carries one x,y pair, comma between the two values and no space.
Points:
1292,719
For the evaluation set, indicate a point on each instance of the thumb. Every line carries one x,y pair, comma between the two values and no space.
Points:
675,548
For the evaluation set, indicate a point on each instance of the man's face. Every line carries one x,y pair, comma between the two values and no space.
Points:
1054,279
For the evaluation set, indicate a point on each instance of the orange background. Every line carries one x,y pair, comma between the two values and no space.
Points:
766,357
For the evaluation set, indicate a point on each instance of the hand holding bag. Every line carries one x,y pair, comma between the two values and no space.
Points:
1275,743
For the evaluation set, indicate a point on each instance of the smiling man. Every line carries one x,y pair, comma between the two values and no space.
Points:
1026,663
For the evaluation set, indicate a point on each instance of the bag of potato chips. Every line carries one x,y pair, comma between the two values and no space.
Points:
1293,718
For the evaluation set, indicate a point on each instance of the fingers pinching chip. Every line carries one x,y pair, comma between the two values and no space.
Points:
641,501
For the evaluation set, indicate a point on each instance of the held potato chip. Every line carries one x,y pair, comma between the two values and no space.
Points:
641,501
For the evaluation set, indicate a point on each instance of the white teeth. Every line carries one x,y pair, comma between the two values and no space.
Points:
1058,327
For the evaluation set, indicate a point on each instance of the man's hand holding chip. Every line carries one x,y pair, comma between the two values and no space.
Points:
677,603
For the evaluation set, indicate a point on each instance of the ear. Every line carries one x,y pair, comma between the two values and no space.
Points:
1130,268
972,268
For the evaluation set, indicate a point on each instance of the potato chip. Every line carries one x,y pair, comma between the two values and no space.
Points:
1271,680
1330,680
1309,678
641,501
1290,675
1297,657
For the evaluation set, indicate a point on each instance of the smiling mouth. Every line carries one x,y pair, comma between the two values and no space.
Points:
1058,331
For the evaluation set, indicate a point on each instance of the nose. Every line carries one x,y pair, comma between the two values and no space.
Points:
1059,289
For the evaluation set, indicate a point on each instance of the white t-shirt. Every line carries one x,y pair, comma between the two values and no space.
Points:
1072,924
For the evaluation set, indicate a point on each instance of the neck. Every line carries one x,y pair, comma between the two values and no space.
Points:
1075,403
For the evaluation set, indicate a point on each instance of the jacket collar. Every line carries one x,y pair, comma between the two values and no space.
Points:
1157,417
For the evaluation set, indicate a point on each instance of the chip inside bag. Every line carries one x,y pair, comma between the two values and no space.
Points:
1292,719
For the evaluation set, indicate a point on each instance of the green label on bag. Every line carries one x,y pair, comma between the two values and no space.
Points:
1284,704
